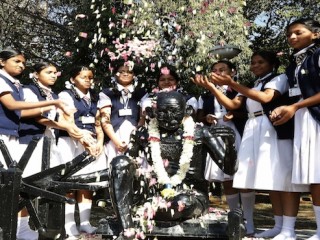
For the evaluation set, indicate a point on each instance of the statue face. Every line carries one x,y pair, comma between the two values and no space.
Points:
170,110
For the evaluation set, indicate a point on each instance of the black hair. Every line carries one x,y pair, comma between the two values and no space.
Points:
8,53
74,72
230,65
38,67
270,56
116,65
309,23
173,73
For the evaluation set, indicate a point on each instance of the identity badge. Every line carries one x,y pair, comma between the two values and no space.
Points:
295,91
125,112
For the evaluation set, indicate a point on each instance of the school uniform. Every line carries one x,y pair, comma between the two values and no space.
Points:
9,120
29,129
265,162
84,117
305,76
210,105
125,111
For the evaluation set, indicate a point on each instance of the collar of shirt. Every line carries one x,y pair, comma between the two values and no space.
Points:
130,87
260,80
81,94
302,50
300,56
46,89
12,79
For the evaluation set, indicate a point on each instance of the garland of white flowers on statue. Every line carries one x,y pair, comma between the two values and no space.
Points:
185,158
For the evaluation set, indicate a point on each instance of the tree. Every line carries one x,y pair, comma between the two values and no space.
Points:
38,28
151,34
147,32
270,19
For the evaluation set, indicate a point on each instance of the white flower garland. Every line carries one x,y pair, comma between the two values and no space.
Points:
185,158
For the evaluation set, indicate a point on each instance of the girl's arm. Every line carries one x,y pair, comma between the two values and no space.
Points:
260,96
100,134
35,112
282,114
230,104
108,129
10,103
71,128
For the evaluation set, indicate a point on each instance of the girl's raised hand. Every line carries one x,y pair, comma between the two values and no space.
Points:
220,79
201,80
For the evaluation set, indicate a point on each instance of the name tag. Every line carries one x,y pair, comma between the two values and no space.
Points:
295,91
125,112
87,120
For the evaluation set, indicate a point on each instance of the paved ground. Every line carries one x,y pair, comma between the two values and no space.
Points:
305,224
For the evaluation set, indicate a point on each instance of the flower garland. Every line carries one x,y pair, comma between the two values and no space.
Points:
185,158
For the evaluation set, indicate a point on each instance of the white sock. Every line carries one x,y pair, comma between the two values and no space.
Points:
85,213
316,210
288,226
248,201
24,232
314,237
233,201
273,231
70,224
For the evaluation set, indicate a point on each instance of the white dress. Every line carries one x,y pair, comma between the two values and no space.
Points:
35,162
11,142
306,163
124,131
265,163
212,171
71,148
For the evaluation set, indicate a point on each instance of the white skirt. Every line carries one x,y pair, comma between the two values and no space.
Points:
123,133
12,145
212,172
265,163
70,149
306,161
35,162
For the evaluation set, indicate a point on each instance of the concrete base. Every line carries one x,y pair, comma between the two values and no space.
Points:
208,226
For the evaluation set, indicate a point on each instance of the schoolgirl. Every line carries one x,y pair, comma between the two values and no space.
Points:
120,111
304,83
81,99
211,112
168,80
265,163
12,108
43,78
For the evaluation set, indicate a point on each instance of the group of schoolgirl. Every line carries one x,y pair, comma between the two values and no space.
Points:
270,157
34,110
284,167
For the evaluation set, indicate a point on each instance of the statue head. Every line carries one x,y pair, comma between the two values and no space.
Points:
170,110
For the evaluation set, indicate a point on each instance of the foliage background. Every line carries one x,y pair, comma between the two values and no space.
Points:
180,33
